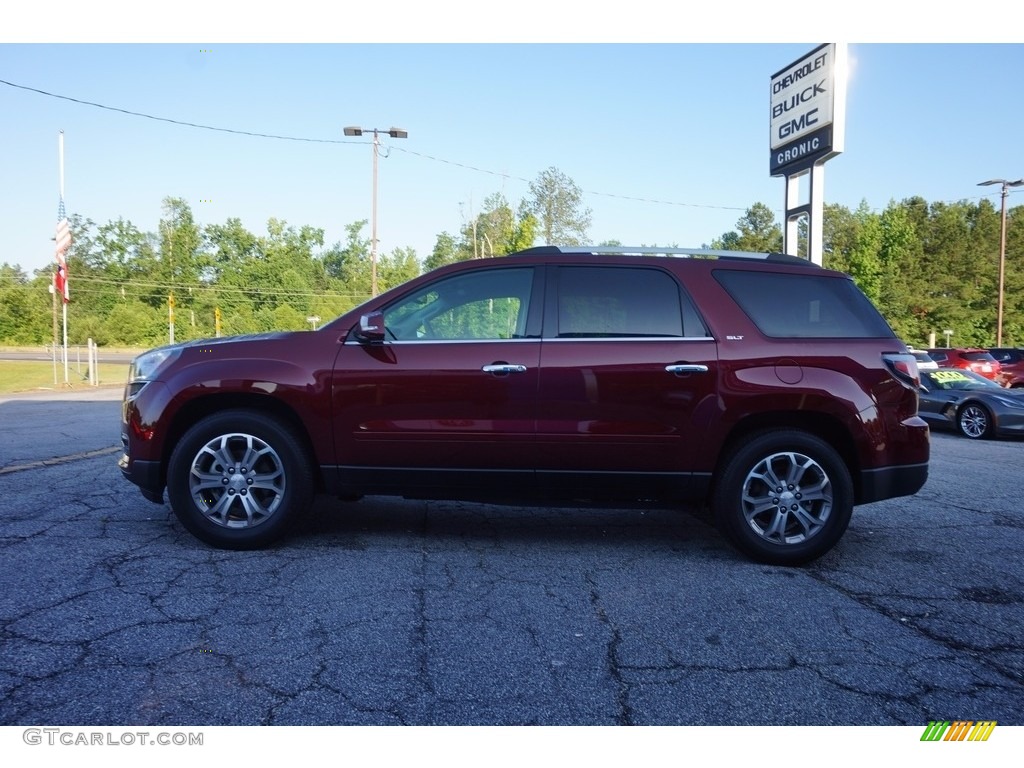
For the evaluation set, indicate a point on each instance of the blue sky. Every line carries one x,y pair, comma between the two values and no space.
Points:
669,141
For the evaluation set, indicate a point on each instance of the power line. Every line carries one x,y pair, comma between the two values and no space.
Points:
342,141
178,122
211,288
433,158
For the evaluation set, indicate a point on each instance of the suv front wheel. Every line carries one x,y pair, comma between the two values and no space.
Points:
783,497
237,479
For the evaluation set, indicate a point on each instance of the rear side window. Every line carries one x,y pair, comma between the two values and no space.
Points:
607,302
804,306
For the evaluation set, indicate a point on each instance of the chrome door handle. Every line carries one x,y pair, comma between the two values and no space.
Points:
680,368
503,368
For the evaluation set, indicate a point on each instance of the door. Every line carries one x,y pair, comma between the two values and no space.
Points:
627,370
449,398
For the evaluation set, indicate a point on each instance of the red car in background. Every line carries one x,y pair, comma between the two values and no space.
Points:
1011,364
978,360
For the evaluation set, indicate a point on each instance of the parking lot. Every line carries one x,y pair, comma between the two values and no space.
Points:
391,612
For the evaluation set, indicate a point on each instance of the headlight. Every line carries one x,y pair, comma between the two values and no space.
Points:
145,366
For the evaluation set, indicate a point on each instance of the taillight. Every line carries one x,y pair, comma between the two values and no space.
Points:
903,367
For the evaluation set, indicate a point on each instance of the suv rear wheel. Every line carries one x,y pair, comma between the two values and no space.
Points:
237,479
783,497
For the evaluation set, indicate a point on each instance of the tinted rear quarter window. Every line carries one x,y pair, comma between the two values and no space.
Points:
804,306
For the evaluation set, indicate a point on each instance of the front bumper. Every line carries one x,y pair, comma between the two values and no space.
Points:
146,475
141,461
1009,423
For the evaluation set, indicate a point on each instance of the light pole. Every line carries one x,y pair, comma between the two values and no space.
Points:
1002,250
395,133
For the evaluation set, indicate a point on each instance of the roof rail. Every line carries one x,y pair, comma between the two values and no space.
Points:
707,253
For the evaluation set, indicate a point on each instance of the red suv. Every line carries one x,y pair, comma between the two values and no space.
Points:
761,384
978,360
1011,365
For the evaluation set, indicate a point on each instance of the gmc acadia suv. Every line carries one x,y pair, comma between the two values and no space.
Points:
761,384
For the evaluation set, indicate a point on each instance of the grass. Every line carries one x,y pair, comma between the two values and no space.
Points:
28,375
73,349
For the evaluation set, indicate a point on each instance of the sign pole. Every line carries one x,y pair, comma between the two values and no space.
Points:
807,127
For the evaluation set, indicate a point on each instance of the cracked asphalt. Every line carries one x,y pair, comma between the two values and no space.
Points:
395,612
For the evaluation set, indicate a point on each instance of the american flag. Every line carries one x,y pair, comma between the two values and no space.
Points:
63,238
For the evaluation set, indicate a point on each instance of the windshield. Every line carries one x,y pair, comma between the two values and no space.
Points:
978,357
955,378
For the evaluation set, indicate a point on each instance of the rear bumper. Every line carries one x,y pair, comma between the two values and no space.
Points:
889,482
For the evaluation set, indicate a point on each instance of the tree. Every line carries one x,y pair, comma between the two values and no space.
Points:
497,230
445,252
25,307
397,267
863,259
758,232
557,204
350,264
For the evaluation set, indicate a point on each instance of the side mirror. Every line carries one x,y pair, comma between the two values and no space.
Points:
371,328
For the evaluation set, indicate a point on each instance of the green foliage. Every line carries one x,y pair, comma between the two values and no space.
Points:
25,307
927,266
122,280
557,205
758,232
445,252
864,258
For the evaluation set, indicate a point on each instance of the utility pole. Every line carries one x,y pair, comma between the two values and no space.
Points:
1006,184
395,133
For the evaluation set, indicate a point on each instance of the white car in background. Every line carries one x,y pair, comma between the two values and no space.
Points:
924,360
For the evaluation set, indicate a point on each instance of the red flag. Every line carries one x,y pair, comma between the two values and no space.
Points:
63,238
60,283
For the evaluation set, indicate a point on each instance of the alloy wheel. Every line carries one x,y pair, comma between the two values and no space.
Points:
787,498
237,480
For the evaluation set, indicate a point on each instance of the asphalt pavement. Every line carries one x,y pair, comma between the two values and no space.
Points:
396,612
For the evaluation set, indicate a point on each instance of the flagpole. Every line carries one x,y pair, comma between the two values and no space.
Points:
53,344
63,304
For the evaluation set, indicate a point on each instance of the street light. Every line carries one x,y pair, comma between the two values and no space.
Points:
395,133
1002,250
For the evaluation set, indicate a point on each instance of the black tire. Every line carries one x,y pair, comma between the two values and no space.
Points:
974,421
259,479
794,520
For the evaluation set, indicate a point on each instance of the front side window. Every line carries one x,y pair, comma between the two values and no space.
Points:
486,305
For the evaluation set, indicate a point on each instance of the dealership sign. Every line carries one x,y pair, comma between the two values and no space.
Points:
808,102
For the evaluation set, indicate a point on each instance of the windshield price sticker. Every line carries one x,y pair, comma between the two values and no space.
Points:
950,376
